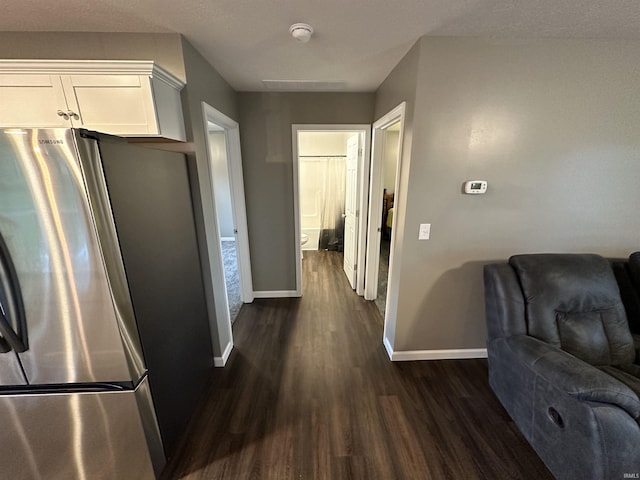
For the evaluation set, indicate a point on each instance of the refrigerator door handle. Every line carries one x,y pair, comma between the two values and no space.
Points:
10,340
14,336
4,345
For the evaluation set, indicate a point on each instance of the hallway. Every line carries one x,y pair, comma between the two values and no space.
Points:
309,393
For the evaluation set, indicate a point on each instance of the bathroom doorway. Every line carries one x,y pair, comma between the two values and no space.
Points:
330,187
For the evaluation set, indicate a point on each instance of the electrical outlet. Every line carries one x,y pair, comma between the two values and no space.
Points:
425,231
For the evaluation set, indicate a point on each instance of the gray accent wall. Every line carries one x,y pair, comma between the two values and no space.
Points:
553,126
266,120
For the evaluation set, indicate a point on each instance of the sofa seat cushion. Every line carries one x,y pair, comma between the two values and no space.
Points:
572,301
550,365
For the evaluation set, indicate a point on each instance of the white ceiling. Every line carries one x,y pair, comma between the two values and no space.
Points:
356,42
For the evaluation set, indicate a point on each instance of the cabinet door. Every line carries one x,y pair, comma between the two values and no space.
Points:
116,104
32,101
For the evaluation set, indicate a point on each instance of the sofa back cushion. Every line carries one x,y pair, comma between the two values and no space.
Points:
633,268
572,301
629,293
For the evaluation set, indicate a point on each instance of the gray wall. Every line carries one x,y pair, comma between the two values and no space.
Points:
399,86
163,48
204,83
267,160
553,126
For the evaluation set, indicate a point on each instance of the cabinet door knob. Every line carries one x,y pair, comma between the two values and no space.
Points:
62,114
73,115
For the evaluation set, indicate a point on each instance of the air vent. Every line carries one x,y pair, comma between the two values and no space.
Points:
303,86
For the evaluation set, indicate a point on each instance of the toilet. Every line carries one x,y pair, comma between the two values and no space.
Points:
304,238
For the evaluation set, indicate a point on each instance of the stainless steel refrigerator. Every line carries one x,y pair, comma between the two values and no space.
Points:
75,393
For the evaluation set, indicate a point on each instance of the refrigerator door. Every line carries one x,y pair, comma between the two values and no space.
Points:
49,230
10,371
13,334
75,436
93,168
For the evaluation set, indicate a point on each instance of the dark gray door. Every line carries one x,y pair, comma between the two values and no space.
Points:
152,207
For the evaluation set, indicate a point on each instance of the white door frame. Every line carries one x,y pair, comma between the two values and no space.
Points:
363,200
236,182
375,213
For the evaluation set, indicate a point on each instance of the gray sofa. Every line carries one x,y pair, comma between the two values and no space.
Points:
563,363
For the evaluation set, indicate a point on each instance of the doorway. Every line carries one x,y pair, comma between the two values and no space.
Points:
224,213
390,158
385,208
330,177
233,262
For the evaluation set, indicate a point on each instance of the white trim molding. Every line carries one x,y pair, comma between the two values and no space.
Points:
277,294
451,354
388,347
222,361
90,67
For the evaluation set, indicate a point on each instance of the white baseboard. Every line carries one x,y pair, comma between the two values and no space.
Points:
222,361
388,348
276,294
453,354
228,239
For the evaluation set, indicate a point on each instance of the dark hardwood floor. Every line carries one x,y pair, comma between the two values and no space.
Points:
309,393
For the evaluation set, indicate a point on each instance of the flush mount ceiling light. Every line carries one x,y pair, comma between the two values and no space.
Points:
301,32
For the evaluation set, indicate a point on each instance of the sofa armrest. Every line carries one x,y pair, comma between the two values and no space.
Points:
504,303
579,379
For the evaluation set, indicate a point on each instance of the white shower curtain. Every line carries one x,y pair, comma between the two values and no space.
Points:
332,209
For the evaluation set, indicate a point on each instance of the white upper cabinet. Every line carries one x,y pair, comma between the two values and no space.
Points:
131,99
31,101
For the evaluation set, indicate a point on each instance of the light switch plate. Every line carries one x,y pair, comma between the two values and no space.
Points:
425,231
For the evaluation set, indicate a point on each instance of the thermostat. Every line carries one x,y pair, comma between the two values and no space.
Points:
475,187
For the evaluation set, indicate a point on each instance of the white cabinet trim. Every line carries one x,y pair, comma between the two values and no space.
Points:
90,67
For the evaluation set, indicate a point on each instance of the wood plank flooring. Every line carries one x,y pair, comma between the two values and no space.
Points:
309,393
